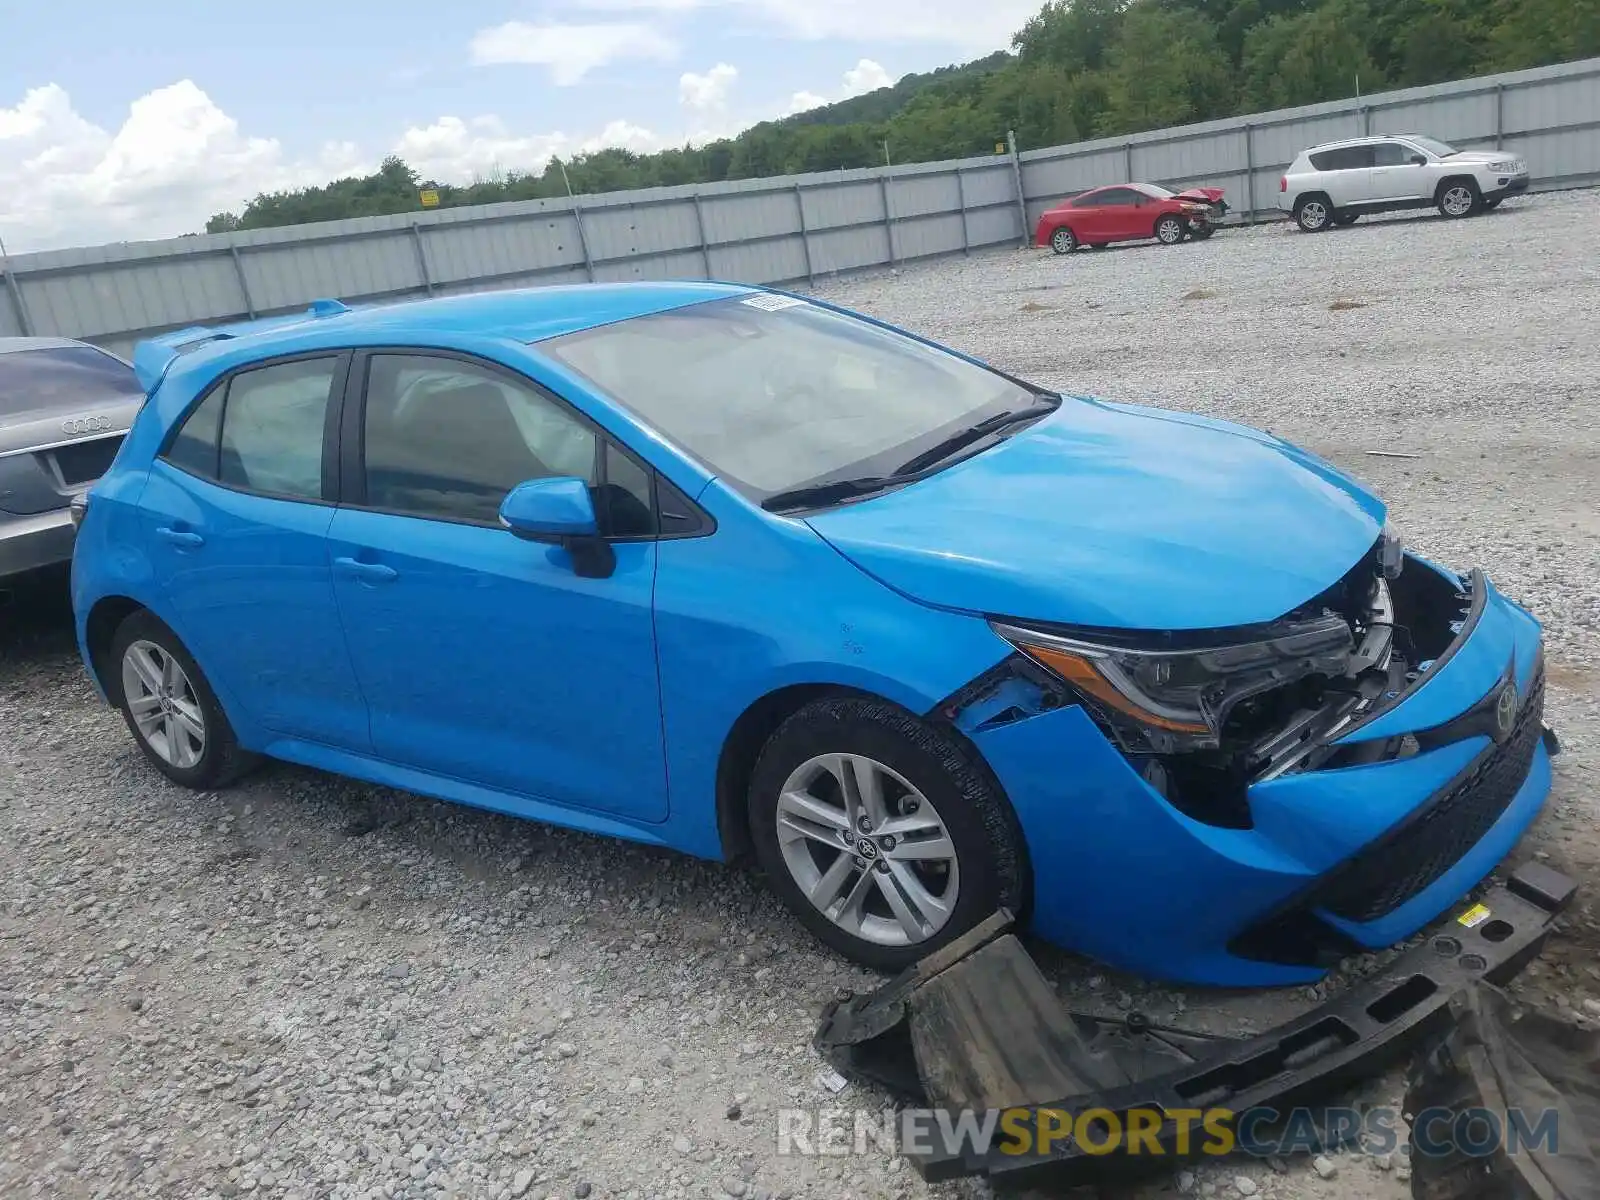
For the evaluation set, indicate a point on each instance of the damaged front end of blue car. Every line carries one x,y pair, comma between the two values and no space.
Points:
1249,806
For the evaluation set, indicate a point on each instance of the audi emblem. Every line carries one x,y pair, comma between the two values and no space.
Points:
75,425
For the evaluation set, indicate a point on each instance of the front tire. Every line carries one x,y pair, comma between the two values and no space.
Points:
1170,231
1313,213
880,832
1459,198
170,708
1063,241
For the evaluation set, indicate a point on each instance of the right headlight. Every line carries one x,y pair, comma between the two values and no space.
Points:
1183,696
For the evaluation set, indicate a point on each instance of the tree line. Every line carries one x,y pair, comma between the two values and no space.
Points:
1077,69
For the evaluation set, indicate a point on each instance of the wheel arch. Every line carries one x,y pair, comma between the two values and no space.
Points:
740,749
760,720
1468,179
100,628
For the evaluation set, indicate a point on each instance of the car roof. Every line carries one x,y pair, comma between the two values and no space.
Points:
1364,140
525,315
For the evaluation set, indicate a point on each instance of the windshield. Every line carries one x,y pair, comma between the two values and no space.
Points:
1156,190
1436,148
773,393
62,377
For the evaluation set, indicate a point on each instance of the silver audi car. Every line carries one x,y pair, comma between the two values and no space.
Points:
64,408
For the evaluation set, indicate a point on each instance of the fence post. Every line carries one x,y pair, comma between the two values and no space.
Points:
244,283
888,215
422,257
700,226
1022,198
1249,173
1499,114
961,194
1366,120
805,234
23,324
1127,161
583,239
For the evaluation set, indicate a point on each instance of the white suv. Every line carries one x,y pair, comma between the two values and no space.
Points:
1337,182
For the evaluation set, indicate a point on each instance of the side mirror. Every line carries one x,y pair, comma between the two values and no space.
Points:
560,512
1419,160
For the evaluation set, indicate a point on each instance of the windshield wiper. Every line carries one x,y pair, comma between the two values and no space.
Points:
815,494
965,437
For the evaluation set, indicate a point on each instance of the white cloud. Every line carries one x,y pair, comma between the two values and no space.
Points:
866,76
708,91
960,24
455,151
804,102
176,160
569,51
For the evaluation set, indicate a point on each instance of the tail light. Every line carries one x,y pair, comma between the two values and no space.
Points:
1283,183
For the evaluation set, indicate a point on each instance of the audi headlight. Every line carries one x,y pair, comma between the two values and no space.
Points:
1182,696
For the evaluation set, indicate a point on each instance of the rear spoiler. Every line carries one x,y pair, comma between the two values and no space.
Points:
153,357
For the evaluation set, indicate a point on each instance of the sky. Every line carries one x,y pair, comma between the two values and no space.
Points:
124,121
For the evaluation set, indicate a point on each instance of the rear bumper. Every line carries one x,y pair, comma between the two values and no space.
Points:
34,541
1335,860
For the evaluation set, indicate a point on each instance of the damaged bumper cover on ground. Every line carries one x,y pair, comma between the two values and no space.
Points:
975,1028
1280,829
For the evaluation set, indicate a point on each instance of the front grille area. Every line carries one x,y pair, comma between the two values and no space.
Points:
1393,870
84,462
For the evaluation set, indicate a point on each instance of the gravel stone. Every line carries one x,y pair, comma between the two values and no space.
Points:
360,996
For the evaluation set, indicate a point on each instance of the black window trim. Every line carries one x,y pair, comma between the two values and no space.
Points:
349,440
337,391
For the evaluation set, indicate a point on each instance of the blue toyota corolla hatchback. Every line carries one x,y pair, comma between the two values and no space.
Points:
739,573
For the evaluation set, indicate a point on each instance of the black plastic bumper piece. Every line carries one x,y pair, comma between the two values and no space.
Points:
975,1027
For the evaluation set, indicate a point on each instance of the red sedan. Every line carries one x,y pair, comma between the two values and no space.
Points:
1127,212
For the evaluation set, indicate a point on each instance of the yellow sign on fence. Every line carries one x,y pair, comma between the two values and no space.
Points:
430,198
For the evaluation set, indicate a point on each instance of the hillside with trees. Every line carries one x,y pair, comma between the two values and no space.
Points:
1078,69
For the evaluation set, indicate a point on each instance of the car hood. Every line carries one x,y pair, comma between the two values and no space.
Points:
1208,194
1117,516
1479,156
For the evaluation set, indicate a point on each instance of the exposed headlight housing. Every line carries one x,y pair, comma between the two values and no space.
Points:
1180,697
1391,552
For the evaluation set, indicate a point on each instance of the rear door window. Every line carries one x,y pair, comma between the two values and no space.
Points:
1345,158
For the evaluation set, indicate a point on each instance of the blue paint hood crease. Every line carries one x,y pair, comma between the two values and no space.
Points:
1117,516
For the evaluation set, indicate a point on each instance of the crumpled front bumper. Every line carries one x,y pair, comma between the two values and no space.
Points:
1335,860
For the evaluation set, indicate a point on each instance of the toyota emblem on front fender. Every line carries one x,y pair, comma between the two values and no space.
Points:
1505,712
76,425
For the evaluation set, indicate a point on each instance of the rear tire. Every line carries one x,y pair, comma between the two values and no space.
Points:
1063,240
1313,213
1458,198
958,856
170,708
1170,230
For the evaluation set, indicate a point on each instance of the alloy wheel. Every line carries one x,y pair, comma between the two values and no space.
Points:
1457,201
868,849
1062,241
1170,231
164,704
1313,215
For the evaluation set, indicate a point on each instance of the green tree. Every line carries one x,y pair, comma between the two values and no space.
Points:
1075,35
1166,68
1306,58
1531,33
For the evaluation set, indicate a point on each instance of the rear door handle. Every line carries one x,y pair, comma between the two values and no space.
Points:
365,572
180,537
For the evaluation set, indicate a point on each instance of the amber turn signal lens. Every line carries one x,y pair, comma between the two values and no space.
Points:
1081,673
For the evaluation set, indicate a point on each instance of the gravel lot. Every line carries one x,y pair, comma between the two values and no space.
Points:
310,987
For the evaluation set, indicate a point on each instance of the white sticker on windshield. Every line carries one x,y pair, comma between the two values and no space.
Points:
769,303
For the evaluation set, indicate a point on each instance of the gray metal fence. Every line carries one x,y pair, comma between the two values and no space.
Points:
792,229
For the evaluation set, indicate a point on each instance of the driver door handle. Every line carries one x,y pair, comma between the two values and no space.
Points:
365,572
